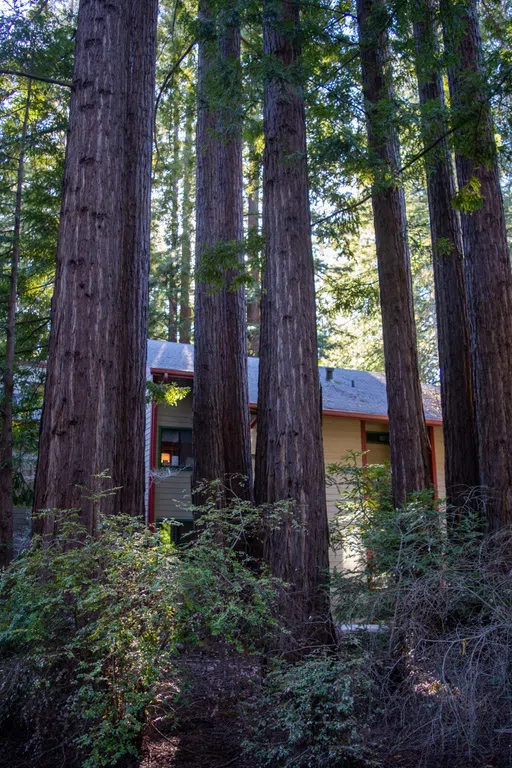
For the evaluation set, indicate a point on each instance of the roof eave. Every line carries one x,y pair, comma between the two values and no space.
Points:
326,411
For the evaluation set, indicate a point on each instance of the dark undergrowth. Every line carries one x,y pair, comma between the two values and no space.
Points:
125,651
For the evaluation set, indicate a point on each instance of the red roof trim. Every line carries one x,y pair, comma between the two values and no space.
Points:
171,372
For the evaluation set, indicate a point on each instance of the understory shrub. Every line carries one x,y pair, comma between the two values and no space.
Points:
440,592
312,714
90,627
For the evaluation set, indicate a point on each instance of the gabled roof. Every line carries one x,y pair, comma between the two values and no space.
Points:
351,393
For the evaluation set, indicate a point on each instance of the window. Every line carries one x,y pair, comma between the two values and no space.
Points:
378,437
181,534
176,448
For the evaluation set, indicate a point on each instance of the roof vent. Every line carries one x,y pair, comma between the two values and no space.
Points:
329,373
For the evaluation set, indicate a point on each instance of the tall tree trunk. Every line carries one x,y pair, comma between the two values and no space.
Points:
408,433
172,279
186,217
253,307
459,428
221,395
289,452
487,260
94,406
6,451
233,342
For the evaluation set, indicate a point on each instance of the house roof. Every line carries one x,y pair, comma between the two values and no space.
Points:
349,393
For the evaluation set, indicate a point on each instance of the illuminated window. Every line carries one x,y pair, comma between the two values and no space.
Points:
176,448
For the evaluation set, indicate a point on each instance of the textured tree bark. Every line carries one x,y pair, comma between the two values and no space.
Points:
186,248
408,433
6,451
289,453
253,307
172,280
459,428
221,429
94,406
487,261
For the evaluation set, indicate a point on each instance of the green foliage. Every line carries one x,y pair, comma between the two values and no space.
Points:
34,37
390,548
89,627
165,394
469,198
308,714
81,628
224,266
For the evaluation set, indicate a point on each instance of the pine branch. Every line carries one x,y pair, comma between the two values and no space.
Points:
32,76
164,85
414,159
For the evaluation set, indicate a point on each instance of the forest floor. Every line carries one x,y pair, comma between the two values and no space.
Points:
206,727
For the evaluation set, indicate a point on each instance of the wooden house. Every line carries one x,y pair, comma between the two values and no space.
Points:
354,418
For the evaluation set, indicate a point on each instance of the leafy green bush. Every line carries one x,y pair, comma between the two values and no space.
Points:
391,547
89,627
309,714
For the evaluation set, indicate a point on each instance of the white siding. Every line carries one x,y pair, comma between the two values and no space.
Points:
173,491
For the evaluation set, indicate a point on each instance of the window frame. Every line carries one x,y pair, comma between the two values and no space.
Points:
161,428
377,442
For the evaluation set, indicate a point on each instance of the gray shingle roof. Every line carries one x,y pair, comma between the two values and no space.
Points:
358,392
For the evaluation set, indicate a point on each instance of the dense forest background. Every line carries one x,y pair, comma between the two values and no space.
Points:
303,181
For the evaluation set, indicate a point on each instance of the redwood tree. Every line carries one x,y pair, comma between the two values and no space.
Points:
94,406
487,259
459,429
253,306
172,276
408,433
289,452
6,452
221,429
186,215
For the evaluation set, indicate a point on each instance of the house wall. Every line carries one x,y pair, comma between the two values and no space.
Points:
340,435
173,489
439,452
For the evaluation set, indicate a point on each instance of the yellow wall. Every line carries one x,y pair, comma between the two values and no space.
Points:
439,452
340,436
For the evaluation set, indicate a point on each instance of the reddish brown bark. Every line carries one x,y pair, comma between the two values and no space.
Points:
289,453
459,428
221,397
408,433
253,307
6,448
94,406
186,248
172,276
487,260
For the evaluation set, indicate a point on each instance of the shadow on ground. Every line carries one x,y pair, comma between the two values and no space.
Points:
204,728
